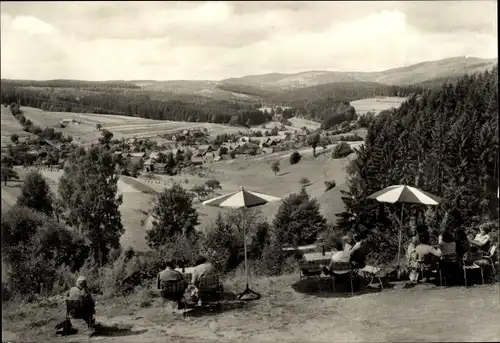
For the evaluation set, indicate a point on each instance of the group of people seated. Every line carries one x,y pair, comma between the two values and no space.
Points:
350,249
202,269
420,251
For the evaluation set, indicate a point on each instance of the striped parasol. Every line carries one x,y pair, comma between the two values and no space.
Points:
404,194
239,200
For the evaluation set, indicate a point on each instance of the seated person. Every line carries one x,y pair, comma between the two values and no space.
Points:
358,251
426,254
340,255
80,292
170,274
482,239
203,269
447,244
462,244
411,258
347,241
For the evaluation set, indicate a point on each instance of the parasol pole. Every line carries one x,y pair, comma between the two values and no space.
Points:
246,260
400,233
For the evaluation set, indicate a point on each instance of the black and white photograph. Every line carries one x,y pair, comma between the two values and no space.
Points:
249,171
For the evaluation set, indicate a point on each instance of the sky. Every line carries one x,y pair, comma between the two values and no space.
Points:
216,40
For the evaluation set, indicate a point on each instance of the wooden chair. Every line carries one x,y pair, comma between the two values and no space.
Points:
174,290
341,268
447,260
80,309
210,289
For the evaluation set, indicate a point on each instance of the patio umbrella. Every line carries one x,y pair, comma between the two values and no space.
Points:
239,200
404,194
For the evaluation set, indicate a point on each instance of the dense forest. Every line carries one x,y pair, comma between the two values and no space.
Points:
444,141
132,104
343,91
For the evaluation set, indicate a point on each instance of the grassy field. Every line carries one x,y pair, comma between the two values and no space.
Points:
287,312
10,125
376,105
85,132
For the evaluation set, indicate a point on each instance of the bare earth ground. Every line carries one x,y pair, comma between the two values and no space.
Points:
285,314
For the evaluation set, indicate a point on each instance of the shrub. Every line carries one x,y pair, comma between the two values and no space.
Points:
342,150
351,138
295,157
329,185
232,154
304,181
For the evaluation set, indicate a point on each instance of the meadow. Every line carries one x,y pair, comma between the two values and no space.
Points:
377,104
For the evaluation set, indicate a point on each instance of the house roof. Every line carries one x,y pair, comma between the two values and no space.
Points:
118,152
149,161
160,165
154,154
137,154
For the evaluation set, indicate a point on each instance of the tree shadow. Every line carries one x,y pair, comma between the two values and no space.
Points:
323,288
283,174
213,309
115,330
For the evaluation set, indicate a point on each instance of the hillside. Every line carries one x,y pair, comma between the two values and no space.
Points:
271,88
416,73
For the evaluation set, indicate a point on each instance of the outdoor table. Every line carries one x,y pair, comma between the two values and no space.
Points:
314,260
187,274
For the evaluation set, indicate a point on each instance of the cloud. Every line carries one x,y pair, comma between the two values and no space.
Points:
215,40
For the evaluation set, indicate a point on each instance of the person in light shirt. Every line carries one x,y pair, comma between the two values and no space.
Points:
340,255
482,239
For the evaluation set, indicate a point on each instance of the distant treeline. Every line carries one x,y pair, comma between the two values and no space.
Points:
104,85
133,104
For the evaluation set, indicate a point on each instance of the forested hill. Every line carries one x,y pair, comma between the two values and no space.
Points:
132,104
444,141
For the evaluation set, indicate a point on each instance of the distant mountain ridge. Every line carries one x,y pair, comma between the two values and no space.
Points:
286,87
416,73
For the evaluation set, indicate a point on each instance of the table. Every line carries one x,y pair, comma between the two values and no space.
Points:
313,260
187,274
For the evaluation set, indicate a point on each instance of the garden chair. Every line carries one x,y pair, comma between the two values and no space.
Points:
487,260
370,273
80,309
341,268
466,266
210,289
447,262
174,290
427,266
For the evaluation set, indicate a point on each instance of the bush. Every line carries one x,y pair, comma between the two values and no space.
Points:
351,138
295,157
329,185
232,154
342,150
304,181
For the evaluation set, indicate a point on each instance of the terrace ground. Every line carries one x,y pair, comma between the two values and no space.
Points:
285,314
